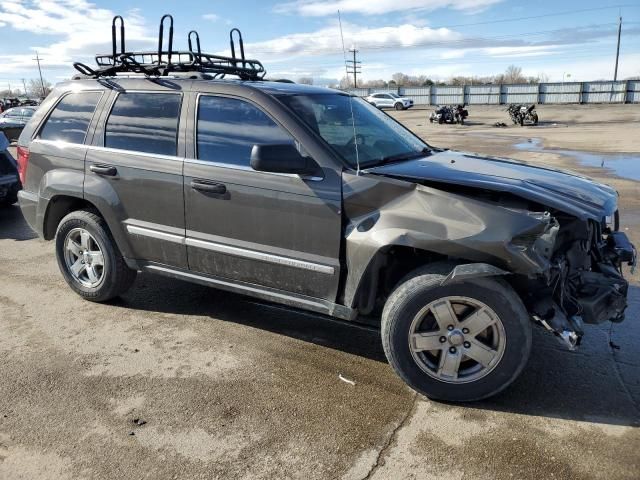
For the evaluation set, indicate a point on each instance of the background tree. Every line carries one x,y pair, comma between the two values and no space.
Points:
513,74
305,80
34,88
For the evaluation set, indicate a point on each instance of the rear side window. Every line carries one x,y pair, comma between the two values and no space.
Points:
144,122
228,128
70,119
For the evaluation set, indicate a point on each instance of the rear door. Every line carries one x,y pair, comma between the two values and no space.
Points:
134,169
274,230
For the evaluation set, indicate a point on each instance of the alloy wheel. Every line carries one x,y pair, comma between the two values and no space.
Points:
457,339
84,258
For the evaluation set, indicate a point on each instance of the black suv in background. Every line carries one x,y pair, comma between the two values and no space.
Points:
314,199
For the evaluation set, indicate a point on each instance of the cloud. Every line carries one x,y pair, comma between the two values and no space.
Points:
328,40
212,17
319,8
81,28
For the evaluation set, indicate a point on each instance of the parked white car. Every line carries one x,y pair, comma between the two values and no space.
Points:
389,100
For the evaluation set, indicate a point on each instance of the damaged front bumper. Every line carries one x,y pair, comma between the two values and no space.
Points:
588,285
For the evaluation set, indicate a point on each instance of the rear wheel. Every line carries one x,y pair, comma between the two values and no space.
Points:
460,342
89,259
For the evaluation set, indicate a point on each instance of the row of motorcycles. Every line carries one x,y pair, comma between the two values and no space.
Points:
449,114
521,114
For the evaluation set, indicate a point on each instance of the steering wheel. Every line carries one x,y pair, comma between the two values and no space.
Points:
358,137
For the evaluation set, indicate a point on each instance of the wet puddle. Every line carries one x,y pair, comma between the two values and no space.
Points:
626,165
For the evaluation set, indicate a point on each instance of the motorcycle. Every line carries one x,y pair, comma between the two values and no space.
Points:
442,114
521,114
460,113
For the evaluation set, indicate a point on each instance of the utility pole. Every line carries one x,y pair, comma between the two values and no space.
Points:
37,59
615,72
353,66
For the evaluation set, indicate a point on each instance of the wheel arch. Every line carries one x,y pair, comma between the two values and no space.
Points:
60,205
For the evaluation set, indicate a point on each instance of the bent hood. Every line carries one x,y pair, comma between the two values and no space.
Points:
565,191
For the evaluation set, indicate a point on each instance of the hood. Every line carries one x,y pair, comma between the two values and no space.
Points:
561,190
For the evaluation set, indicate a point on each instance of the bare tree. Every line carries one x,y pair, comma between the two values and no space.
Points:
34,88
513,74
305,80
346,82
400,78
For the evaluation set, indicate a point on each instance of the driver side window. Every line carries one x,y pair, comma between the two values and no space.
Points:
228,128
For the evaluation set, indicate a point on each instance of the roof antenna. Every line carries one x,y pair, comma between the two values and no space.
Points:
353,118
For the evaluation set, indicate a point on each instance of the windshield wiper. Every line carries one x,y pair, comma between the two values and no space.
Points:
401,157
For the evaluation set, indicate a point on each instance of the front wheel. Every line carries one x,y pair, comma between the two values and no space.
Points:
89,259
460,342
399,106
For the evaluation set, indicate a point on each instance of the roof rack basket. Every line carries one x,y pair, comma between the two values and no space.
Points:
164,62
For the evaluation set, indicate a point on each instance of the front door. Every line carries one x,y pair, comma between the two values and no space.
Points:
273,230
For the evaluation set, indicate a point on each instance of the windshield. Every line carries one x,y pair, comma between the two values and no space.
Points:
379,138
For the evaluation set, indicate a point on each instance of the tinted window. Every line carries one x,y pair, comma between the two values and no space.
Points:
144,122
70,119
228,128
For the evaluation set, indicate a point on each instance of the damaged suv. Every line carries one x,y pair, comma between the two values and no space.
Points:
315,199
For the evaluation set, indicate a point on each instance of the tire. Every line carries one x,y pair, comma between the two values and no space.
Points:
422,289
9,200
521,120
535,119
441,120
115,277
399,106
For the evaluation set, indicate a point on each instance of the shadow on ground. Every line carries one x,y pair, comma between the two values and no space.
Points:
13,225
584,385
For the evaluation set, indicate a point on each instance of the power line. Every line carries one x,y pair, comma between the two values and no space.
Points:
473,41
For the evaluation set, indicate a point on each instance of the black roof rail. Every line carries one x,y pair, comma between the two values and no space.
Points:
164,62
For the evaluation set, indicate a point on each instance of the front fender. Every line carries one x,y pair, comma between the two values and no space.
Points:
384,212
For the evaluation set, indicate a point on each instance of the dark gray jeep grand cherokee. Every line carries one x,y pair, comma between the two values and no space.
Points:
315,199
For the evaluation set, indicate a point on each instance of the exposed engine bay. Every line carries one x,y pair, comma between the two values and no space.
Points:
585,283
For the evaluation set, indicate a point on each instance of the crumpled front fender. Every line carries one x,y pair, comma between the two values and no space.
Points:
383,212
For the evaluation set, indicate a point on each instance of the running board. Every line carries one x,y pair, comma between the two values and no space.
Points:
264,293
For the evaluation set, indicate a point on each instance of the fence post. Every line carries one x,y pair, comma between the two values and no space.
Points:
539,96
500,96
626,89
580,102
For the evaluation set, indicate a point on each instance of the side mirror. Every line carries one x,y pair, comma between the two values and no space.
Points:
281,158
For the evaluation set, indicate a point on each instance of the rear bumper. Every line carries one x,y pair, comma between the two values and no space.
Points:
28,202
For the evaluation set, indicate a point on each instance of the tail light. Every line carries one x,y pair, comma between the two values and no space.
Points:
23,161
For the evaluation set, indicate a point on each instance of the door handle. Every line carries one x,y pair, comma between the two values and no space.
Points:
209,187
108,170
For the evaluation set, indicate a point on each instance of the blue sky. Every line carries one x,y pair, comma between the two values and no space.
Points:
294,38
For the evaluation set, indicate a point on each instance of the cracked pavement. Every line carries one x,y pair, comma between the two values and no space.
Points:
234,388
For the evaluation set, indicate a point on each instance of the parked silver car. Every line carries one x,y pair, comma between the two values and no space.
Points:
389,100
